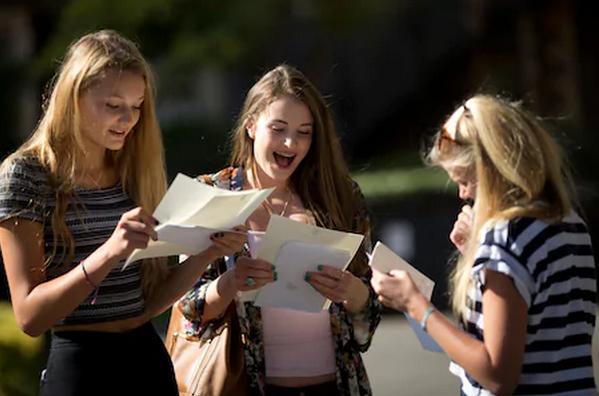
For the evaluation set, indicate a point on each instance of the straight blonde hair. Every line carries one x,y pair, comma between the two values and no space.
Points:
58,145
518,166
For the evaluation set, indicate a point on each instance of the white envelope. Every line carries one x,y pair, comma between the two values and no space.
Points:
290,290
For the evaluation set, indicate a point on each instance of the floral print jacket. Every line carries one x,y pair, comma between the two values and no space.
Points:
352,333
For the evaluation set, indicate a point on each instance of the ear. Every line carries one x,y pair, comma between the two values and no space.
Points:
250,128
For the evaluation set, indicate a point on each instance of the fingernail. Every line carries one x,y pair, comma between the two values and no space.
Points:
275,276
320,267
307,277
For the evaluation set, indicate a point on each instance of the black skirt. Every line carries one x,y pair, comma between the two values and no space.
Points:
134,362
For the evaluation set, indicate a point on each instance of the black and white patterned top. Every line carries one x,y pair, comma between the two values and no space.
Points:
553,269
26,192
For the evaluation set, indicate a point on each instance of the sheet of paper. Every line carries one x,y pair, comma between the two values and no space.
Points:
190,211
384,260
293,261
281,230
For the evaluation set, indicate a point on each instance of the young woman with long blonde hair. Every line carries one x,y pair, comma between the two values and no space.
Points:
524,287
286,139
75,200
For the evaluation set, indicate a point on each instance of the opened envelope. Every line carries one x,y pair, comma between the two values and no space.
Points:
294,248
191,211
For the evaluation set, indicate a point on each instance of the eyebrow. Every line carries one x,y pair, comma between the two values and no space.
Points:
286,123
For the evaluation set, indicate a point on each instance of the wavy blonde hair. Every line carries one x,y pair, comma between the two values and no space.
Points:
518,167
57,139
322,179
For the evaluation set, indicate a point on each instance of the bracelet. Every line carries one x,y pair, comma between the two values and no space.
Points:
425,316
91,283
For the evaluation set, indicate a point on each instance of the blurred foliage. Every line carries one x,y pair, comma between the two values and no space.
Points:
188,33
20,357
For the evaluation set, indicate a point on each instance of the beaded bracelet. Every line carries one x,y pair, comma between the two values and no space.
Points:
91,283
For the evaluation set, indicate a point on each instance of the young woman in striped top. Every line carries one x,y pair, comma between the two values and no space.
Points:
524,287
75,200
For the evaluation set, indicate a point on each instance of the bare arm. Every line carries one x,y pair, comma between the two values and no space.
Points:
495,363
183,277
39,303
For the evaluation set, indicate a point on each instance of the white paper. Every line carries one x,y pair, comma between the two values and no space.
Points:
291,291
190,211
384,260
281,230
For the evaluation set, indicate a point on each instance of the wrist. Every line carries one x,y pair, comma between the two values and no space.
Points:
106,255
417,305
425,317
207,256
358,296
229,283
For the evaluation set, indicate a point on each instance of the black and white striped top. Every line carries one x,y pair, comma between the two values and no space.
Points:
553,269
92,215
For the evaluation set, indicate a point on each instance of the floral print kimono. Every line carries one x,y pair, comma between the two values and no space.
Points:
352,333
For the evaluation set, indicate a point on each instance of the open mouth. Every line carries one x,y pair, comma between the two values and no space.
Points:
284,160
115,132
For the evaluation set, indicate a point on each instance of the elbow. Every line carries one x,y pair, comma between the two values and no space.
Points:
30,327
32,330
503,386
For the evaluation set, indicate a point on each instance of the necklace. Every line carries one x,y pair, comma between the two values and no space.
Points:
268,207
96,181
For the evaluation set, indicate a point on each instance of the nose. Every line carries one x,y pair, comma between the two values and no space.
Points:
128,117
289,140
463,192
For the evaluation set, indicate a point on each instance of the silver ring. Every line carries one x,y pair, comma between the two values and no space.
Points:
249,281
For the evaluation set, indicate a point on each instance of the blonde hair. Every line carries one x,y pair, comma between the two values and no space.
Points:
518,167
322,179
57,140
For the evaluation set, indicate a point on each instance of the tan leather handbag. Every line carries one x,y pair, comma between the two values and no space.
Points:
209,366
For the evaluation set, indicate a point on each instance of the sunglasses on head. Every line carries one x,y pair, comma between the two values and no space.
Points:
446,138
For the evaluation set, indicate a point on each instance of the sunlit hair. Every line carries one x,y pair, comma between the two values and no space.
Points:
58,144
322,179
516,163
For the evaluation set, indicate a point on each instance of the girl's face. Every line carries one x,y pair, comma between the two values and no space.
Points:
466,182
282,135
110,109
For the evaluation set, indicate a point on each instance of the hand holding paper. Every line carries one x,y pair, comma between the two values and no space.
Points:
295,248
191,211
384,260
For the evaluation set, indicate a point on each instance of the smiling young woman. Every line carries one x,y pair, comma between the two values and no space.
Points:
75,200
285,138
